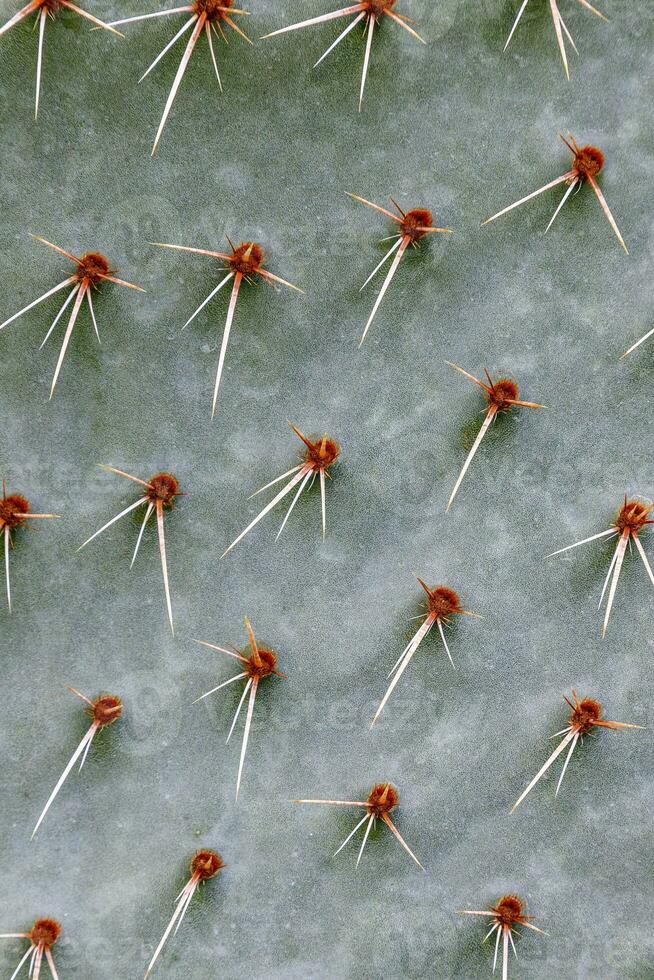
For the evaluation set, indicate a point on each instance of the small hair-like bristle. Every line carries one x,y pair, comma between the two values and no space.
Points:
205,864
46,931
213,9
378,7
443,601
321,452
502,394
632,516
413,223
93,266
261,664
509,910
246,258
382,798
106,710
588,161
163,487
585,714
11,509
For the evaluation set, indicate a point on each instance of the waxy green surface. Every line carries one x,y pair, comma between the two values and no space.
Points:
460,128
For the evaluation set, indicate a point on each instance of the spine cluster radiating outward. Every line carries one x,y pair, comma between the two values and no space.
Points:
560,29
260,662
318,457
503,918
159,494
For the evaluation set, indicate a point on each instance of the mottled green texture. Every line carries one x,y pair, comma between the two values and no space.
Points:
455,126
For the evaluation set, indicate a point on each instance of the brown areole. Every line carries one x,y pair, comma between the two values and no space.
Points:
501,396
442,604
42,936
91,270
245,261
587,161
505,915
208,16
412,227
158,495
382,798
631,520
105,710
586,714
14,512
371,12
44,9
319,454
204,865
259,663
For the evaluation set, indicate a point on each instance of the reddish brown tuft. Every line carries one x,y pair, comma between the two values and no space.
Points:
46,931
383,797
52,6
443,602
247,258
205,864
588,161
106,710
502,395
321,453
94,267
261,664
632,516
378,7
12,509
585,714
213,9
509,911
413,221
164,488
